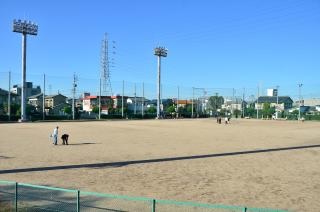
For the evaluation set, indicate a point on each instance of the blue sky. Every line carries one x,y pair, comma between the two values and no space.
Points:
211,44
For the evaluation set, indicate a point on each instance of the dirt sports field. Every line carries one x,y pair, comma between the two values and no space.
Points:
244,163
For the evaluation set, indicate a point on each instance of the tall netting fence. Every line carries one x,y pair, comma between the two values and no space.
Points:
79,99
26,197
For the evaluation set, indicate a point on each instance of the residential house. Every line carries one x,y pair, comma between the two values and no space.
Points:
14,98
53,100
89,102
36,101
54,104
117,101
279,102
234,104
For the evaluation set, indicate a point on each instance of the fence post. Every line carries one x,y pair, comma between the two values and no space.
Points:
244,209
78,200
153,205
16,197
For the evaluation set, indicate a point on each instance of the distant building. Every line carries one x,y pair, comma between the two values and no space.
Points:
284,102
182,102
311,102
272,92
53,100
15,99
30,90
89,102
36,101
236,104
52,103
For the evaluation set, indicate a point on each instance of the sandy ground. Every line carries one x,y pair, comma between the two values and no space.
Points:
231,170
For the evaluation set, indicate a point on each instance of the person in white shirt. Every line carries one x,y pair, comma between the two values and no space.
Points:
55,135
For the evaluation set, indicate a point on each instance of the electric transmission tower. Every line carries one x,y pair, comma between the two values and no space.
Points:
105,67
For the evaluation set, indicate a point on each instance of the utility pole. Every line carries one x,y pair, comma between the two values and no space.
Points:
277,108
122,100
135,100
192,102
74,85
177,111
160,52
244,90
9,97
142,109
44,97
300,85
258,94
100,98
232,102
216,103
25,28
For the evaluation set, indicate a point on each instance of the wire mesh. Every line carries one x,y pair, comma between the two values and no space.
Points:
35,198
32,198
174,206
99,203
7,196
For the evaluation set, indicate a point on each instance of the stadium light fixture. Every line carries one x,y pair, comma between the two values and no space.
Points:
160,52
25,28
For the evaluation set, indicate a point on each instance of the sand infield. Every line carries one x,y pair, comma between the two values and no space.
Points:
257,163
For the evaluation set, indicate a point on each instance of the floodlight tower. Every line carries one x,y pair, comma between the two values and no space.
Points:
160,52
25,28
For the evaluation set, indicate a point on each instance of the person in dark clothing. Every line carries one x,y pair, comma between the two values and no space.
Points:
65,138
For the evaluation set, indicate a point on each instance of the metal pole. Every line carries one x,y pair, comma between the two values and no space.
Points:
192,102
232,102
142,110
300,85
100,99
244,90
78,201
73,94
258,102
23,87
9,97
135,100
122,101
43,96
153,206
158,87
277,102
178,103
16,197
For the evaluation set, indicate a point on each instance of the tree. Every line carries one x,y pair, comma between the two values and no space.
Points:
215,103
251,112
267,110
152,109
95,109
236,112
171,109
67,110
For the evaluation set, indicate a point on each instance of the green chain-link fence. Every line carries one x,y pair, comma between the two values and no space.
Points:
26,197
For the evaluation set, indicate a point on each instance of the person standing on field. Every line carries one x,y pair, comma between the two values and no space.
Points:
55,135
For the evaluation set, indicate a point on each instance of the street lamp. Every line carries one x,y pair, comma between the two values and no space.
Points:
25,28
160,52
300,85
